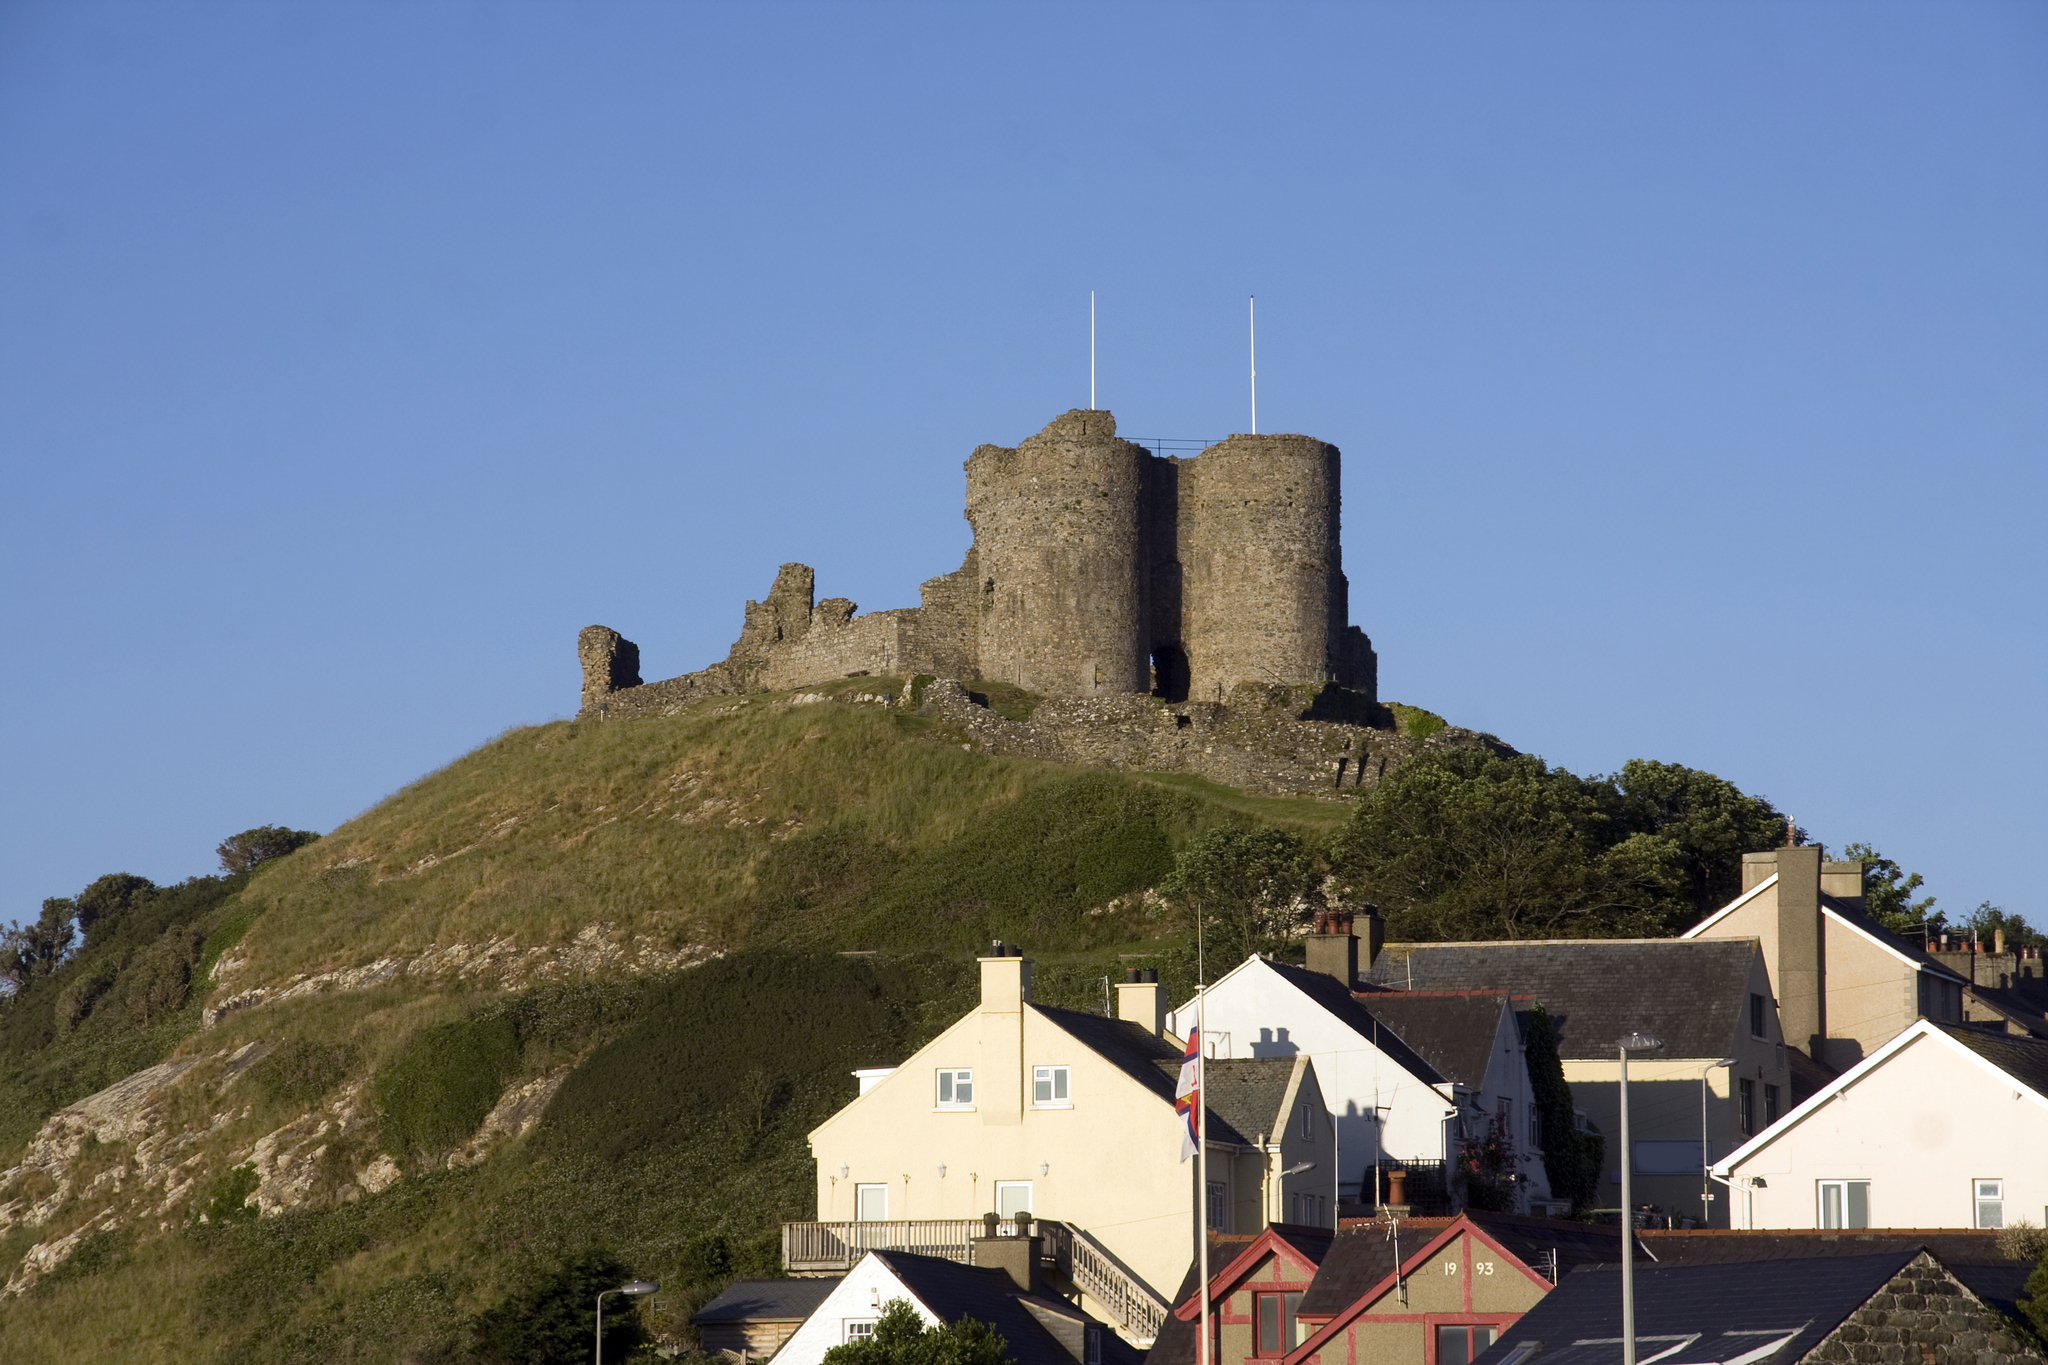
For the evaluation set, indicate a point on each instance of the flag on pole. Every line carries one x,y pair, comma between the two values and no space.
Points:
1187,1095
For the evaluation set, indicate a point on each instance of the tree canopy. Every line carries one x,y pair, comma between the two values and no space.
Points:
902,1338
552,1319
251,848
1242,890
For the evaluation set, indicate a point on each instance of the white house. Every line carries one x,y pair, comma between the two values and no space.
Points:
1945,1126
1388,1081
1037,1327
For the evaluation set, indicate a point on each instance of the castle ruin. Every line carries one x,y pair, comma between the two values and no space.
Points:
1098,570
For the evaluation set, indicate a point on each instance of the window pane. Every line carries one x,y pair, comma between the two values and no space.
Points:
1859,1204
963,1087
1453,1346
1059,1082
945,1087
1482,1337
1269,1324
1041,1085
1013,1197
871,1203
1770,1104
1831,1206
1990,1213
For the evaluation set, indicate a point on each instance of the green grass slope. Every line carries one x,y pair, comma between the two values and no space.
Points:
843,862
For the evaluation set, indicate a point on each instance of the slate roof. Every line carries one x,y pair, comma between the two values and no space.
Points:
2023,1059
756,1300
1154,1063
1248,1093
1333,996
1734,1307
1361,1256
1689,992
954,1291
1705,1246
1175,1344
1453,1030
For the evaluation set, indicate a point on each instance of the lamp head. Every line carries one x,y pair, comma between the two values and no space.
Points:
639,1288
1640,1042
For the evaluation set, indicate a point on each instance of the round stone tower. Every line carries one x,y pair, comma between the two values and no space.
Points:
1263,597
1056,528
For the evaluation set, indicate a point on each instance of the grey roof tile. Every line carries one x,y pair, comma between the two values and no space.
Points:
1689,992
2023,1059
1453,1030
747,1300
954,1291
1331,994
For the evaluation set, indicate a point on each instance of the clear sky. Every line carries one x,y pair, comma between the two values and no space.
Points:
1689,361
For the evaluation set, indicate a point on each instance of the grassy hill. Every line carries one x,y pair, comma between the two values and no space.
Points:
525,922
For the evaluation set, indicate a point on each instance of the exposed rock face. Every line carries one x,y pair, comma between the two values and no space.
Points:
1098,570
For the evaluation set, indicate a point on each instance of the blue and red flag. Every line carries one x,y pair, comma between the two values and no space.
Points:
1187,1095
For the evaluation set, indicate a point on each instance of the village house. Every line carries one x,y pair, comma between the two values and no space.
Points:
1945,1126
1022,1109
1435,1291
1409,1078
1721,1076
1845,985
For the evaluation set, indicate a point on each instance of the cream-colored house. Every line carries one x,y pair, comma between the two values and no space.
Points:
1025,1108
1721,1076
1845,985
1945,1126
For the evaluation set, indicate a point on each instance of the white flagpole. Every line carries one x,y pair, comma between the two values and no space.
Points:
1091,350
1202,1158
1254,318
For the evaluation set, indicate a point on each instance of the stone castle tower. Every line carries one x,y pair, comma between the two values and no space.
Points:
1097,569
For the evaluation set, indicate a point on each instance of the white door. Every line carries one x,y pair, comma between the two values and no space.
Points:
1013,1197
871,1203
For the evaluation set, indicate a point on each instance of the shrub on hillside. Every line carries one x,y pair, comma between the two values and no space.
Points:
436,1092
110,897
552,1319
301,1073
250,849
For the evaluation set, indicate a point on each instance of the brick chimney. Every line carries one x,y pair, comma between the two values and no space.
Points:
1139,999
1015,1256
1332,943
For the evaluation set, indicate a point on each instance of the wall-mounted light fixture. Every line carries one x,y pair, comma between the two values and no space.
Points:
1045,1168
842,1172
942,1172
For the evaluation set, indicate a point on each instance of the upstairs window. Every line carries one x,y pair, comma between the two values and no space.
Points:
1049,1087
858,1329
1756,1015
956,1089
1277,1323
1745,1095
1459,1344
1307,1112
1770,1105
1990,1203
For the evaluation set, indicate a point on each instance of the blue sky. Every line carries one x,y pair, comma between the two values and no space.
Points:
1688,362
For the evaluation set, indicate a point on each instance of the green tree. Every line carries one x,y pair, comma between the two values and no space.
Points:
2034,1298
901,1338
1888,894
1712,822
28,951
110,897
1571,1157
1987,921
552,1319
253,847
1244,890
1465,844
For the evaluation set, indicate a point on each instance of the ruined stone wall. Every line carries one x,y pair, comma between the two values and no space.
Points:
1264,596
610,661
839,644
946,638
1056,531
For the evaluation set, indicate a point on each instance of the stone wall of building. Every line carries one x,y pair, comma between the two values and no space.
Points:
1924,1316
1098,570
1056,532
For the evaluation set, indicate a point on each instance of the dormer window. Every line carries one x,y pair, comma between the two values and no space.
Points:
956,1088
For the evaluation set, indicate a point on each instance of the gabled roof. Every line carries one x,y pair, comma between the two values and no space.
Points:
2020,1062
1750,1310
1844,914
953,1291
1250,1093
771,1300
1128,1047
1453,1030
1361,1258
1348,1009
1304,1245
1692,993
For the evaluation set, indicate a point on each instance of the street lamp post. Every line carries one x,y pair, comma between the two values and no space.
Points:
1707,1150
636,1289
1634,1042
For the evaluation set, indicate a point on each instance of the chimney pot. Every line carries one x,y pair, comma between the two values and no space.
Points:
1132,974
1998,942
1151,974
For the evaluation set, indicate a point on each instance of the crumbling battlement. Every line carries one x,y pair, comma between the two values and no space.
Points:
1098,570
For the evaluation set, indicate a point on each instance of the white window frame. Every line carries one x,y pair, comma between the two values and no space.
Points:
946,1087
1841,1190
1057,1084
855,1329
1996,1199
1003,1185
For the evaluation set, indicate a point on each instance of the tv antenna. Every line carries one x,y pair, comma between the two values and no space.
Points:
1254,318
1091,350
